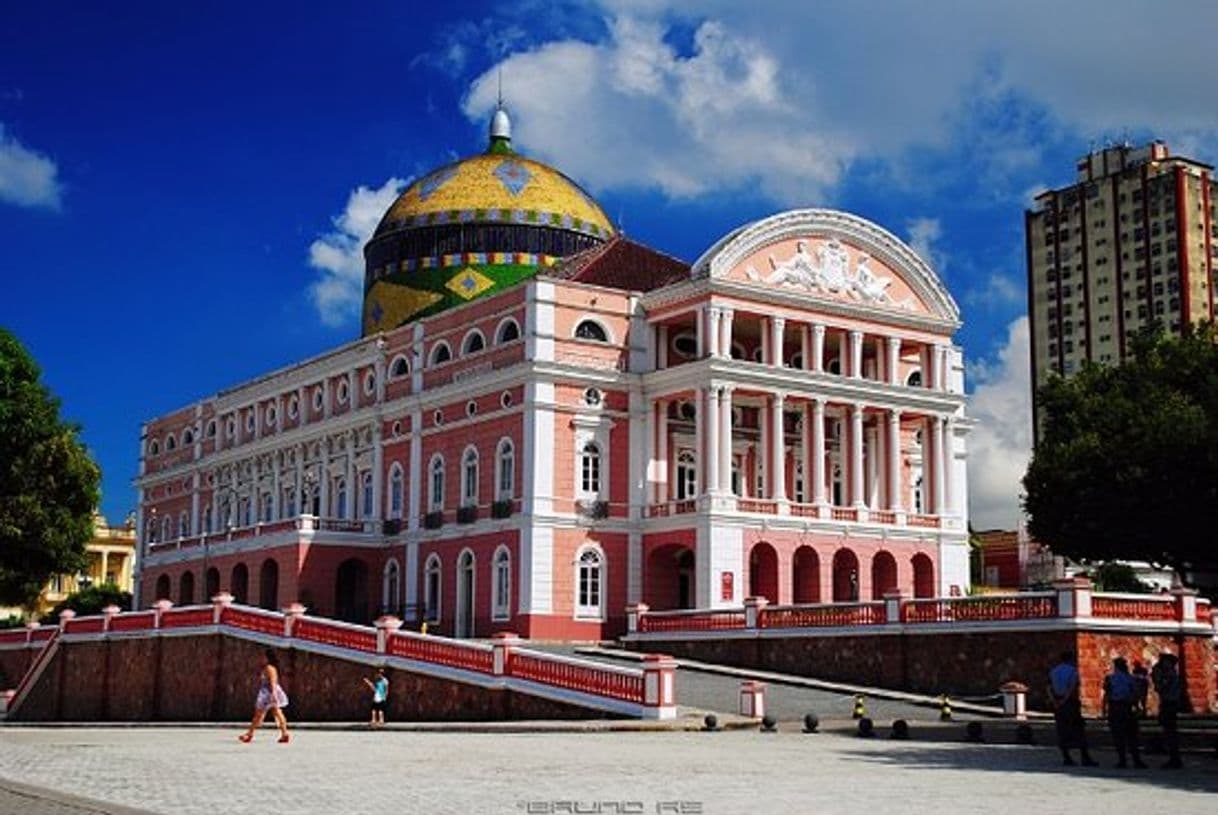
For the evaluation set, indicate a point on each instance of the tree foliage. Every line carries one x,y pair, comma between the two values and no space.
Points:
1126,467
91,600
1118,577
48,483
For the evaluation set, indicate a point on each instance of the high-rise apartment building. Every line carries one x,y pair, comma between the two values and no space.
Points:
1132,241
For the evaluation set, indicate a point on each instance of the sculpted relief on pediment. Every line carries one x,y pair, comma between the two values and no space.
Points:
829,267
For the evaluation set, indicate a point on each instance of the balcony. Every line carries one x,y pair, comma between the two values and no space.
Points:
772,508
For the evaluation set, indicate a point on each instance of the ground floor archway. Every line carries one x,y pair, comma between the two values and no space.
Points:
763,572
883,574
670,577
351,591
845,576
805,575
923,575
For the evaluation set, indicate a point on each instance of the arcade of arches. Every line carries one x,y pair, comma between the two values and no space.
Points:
795,574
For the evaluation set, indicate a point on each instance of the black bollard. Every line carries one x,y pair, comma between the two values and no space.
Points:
811,722
711,722
900,730
866,728
768,723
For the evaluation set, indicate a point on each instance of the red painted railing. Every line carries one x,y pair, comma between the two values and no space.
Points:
882,516
44,633
968,609
576,675
1133,607
188,617
85,625
467,656
757,505
929,521
804,510
844,514
826,615
10,636
692,620
133,621
265,622
333,633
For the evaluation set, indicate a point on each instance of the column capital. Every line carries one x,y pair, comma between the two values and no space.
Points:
725,311
818,328
854,332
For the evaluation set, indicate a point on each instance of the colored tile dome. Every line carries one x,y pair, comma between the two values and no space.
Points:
472,227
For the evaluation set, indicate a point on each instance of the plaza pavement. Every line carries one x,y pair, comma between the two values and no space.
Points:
205,770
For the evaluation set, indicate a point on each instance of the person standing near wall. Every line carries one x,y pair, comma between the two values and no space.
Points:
379,685
1166,677
1120,700
1068,710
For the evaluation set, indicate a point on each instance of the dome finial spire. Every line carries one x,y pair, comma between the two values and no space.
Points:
501,125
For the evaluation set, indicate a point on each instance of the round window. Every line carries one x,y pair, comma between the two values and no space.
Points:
685,344
471,407
593,397
369,383
506,399
293,408
343,392
437,418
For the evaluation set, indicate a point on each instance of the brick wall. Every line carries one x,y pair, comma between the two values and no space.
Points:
963,664
212,677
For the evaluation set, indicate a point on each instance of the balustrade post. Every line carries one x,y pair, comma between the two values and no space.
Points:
659,687
894,605
752,699
290,615
1073,597
220,602
159,608
1015,700
30,628
385,626
65,617
753,606
502,643
634,617
108,615
1186,604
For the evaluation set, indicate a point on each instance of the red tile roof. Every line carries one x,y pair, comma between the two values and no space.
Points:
620,263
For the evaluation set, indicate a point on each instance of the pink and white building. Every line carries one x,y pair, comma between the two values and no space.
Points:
784,418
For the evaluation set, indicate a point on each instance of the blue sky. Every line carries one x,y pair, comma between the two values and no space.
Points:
183,190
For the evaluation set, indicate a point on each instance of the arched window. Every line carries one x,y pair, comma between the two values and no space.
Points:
399,368
440,353
162,587
247,512
289,502
590,574
166,529
469,477
507,331
391,588
431,590
188,436
687,476
208,520
591,330
340,499
501,587
154,448
436,501
505,470
170,443
590,469
473,343
268,508
366,498
395,491
183,525
186,589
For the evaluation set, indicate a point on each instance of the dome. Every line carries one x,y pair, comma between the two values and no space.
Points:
471,228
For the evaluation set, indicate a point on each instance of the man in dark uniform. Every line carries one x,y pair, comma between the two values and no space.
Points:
1120,697
1166,677
1068,710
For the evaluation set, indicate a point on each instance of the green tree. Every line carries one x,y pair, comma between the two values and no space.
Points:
48,483
1118,577
1126,467
91,600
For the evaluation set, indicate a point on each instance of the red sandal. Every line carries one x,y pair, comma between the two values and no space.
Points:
245,737
285,738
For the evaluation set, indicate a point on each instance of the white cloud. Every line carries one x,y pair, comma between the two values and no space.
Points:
1001,442
339,254
924,233
782,98
27,178
999,289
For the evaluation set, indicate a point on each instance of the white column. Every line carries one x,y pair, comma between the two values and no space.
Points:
257,408
777,470
856,354
378,478
662,473
805,345
351,474
298,499
939,459
941,367
725,440
712,439
725,333
194,507
700,321
777,324
818,350
324,477
894,460
894,360
700,438
326,402
805,444
871,471
818,451
415,472
947,462
855,473
662,347
712,331
650,474
276,487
